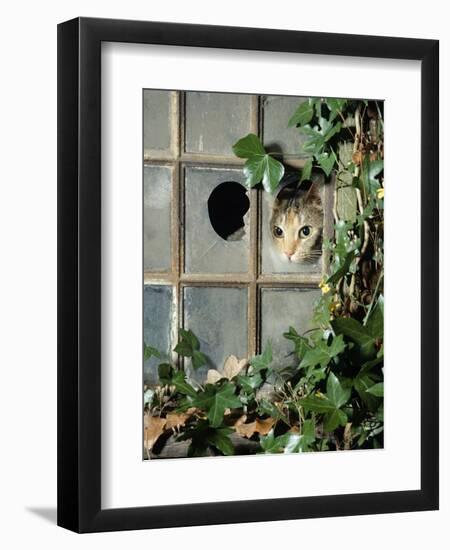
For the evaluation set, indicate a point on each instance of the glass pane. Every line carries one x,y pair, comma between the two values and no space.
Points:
205,250
157,198
277,110
218,317
158,115
214,122
157,326
274,258
280,309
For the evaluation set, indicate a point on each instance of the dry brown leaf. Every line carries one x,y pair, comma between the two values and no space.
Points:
357,157
263,427
213,376
174,420
233,366
153,428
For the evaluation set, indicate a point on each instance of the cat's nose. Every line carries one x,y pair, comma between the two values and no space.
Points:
289,254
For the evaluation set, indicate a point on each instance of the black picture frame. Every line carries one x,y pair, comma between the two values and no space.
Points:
79,270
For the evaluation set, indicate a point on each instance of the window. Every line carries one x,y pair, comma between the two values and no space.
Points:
228,291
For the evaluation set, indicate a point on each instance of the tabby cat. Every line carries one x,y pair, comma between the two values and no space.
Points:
296,225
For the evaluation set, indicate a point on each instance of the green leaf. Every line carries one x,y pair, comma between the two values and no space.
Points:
303,114
375,168
220,440
326,162
322,353
165,372
266,407
189,337
306,171
249,146
377,389
317,404
375,323
189,346
263,361
335,419
361,384
337,395
336,106
260,166
343,270
263,168
357,333
250,383
215,400
150,351
198,359
301,344
179,381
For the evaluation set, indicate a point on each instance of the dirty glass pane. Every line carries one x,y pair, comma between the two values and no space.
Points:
277,110
272,259
157,326
218,317
205,250
157,197
280,309
157,120
214,122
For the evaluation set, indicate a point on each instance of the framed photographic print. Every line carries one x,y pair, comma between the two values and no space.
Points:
248,321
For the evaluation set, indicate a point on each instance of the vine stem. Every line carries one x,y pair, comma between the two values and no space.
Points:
373,298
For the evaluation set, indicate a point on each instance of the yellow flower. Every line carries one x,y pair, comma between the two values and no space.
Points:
324,286
380,193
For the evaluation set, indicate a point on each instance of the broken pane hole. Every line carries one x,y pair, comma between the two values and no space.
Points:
227,206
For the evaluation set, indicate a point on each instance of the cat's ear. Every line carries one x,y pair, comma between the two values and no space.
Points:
314,195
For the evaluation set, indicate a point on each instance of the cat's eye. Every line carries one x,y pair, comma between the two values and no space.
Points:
277,231
305,231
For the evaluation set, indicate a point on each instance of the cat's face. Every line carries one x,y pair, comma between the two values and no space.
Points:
296,225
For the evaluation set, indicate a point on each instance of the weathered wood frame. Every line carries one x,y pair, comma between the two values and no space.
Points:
178,159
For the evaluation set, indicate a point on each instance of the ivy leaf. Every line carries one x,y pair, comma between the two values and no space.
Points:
150,351
303,114
343,270
179,381
266,407
249,146
375,323
215,400
306,171
266,169
377,389
220,440
326,162
335,419
355,331
337,395
322,353
336,106
250,383
263,361
361,384
165,373
301,344
260,166
198,359
189,346
317,404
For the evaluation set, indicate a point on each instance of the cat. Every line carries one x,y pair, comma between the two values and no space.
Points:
296,225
